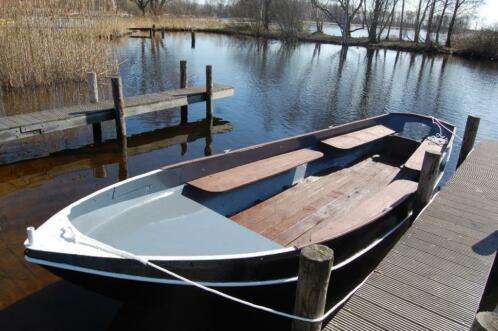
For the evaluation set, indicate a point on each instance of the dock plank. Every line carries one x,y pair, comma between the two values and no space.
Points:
19,126
435,275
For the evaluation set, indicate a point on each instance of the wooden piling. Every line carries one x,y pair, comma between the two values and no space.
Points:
469,137
151,33
209,91
183,84
485,321
427,180
93,95
153,29
315,265
162,33
192,37
117,94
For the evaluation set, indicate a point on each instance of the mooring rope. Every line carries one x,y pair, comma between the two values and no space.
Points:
70,235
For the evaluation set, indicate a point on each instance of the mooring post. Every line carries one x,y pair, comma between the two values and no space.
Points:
315,265
151,33
183,84
469,137
485,321
93,95
117,94
153,29
192,36
162,33
209,91
427,180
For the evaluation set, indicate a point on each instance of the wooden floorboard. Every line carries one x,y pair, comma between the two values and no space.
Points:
26,125
435,276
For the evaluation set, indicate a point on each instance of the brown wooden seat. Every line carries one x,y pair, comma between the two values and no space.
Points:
415,161
359,138
366,212
252,172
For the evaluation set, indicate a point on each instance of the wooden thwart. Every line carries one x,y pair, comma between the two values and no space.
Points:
415,161
252,172
359,138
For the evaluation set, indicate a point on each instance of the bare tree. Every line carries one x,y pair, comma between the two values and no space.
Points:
429,22
423,5
317,16
348,9
157,6
460,7
288,15
441,18
401,19
376,16
142,5
393,11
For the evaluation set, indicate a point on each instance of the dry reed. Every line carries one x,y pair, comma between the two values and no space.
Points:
46,42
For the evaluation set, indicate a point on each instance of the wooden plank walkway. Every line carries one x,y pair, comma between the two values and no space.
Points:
435,276
31,124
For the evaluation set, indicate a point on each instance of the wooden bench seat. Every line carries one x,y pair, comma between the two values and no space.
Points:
415,161
252,172
366,212
359,138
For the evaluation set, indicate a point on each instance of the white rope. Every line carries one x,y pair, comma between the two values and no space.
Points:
72,236
442,126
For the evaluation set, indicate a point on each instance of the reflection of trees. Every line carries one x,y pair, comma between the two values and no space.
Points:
365,92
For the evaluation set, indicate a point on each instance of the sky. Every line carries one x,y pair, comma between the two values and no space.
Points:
489,13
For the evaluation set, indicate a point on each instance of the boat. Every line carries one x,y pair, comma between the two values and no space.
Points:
237,221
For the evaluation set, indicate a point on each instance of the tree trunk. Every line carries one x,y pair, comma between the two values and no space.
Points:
266,14
417,22
452,23
401,20
429,23
440,22
391,20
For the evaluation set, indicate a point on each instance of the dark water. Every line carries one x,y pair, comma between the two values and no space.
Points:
281,90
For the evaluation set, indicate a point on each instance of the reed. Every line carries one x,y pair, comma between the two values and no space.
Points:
46,42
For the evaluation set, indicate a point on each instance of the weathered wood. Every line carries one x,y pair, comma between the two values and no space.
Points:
162,33
436,274
427,180
469,137
209,91
93,96
192,37
359,138
183,84
26,125
151,33
315,265
153,29
485,321
417,159
117,95
286,216
365,212
252,172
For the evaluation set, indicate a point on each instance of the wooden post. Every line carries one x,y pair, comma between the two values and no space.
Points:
151,33
427,180
469,137
183,84
485,321
209,91
153,29
162,33
117,94
315,265
93,95
192,35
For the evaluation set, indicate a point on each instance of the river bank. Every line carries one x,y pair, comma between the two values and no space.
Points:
322,38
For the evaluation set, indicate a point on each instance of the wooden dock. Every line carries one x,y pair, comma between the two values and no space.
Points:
31,124
435,276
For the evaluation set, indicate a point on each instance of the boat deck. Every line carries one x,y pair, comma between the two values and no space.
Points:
435,276
322,199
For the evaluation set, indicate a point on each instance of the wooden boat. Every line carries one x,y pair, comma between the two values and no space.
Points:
238,220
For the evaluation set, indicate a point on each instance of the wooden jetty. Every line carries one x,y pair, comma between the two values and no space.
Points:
436,274
31,124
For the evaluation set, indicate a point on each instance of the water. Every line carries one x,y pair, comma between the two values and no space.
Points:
281,90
